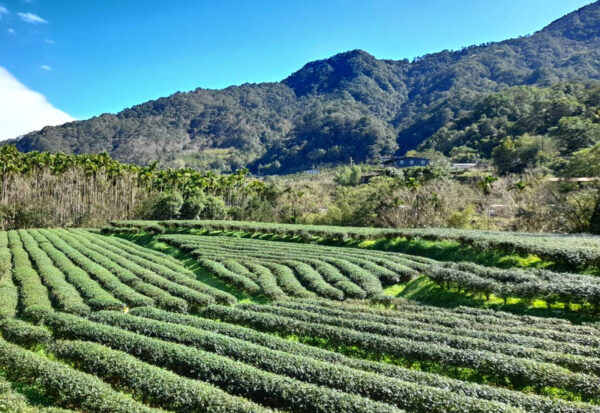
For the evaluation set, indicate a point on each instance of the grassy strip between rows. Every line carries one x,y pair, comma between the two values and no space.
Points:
63,385
529,402
389,390
474,364
232,376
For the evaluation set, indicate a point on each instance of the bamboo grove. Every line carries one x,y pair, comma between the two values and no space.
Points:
40,188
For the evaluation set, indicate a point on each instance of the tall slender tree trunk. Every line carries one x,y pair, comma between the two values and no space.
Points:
595,221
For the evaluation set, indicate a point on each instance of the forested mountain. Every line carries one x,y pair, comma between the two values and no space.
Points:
351,105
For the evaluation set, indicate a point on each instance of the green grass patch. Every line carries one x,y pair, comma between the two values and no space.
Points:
454,251
460,373
427,292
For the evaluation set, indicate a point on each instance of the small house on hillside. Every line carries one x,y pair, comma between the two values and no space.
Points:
405,162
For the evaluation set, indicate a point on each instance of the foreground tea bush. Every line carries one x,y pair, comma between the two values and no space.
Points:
64,385
389,390
232,376
355,351
527,402
153,385
519,371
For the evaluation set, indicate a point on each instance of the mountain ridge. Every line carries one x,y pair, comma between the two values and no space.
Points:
350,105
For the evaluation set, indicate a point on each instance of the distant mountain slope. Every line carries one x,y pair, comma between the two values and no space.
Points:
350,105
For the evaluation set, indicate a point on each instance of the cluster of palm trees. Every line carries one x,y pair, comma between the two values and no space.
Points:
74,186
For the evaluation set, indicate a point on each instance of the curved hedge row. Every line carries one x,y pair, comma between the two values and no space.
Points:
63,293
437,323
330,272
108,280
12,401
10,297
174,295
313,280
180,280
277,250
524,401
556,328
564,333
150,226
5,256
237,280
264,277
8,290
578,251
367,280
33,295
533,284
95,296
369,268
23,333
287,280
572,362
65,386
385,389
138,284
156,257
152,385
519,371
232,376
333,276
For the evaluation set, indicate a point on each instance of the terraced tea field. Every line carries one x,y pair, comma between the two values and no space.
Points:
96,323
283,269
574,250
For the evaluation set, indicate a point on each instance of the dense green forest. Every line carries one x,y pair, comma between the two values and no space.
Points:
527,127
353,105
44,189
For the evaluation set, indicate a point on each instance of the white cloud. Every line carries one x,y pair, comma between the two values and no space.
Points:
49,41
3,10
46,67
23,110
11,31
31,18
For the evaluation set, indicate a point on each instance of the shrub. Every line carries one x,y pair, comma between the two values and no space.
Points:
65,386
192,206
167,206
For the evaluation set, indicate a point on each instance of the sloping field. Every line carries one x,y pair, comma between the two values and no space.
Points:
100,324
280,269
578,251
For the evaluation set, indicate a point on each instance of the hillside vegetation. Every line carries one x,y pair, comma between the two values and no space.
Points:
44,189
353,105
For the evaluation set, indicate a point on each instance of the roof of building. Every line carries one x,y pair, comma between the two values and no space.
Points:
404,158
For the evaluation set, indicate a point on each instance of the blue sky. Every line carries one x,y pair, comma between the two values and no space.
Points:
90,57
